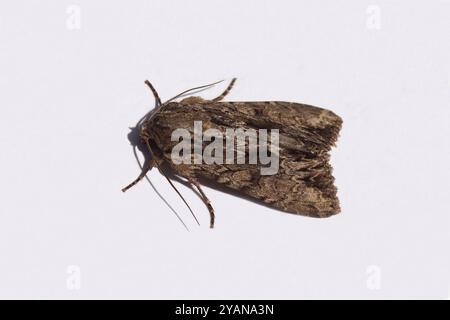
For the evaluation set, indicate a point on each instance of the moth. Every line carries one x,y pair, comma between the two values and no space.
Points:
303,183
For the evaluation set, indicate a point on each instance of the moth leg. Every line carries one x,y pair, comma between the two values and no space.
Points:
227,90
206,202
155,94
147,167
157,162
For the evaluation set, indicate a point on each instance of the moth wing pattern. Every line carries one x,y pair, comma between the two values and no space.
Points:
303,184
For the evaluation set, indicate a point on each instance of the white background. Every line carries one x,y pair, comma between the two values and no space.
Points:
68,96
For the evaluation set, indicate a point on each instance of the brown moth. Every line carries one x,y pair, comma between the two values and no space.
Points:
302,185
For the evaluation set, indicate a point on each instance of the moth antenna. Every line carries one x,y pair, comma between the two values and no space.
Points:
227,90
150,116
170,207
184,200
155,93
192,89
170,182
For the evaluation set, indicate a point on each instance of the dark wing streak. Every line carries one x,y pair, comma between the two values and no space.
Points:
313,134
